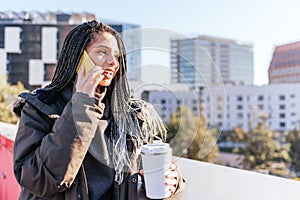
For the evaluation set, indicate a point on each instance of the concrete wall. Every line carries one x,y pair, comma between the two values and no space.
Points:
203,180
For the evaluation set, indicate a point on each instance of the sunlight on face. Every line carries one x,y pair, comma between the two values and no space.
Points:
104,52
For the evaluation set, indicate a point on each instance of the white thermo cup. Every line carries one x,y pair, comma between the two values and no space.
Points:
157,159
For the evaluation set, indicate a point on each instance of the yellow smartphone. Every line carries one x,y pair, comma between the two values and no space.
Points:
86,61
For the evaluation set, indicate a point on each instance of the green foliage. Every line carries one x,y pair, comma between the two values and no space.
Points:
188,136
8,94
294,139
263,151
237,135
182,129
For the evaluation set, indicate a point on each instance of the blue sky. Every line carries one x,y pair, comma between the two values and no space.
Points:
264,23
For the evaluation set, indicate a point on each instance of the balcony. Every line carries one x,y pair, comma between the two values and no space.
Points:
203,180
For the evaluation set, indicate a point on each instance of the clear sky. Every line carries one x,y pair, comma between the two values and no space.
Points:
264,23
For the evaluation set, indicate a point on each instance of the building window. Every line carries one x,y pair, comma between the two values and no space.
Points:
281,115
270,124
293,123
293,114
282,124
240,125
260,98
194,109
240,115
281,97
293,105
260,107
292,96
269,107
248,115
239,107
208,99
239,98
281,107
163,101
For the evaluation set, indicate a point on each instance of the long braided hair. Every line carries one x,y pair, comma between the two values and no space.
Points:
74,45
125,112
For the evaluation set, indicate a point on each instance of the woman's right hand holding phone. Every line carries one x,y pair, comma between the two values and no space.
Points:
88,82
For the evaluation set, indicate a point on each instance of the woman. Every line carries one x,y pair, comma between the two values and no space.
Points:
80,136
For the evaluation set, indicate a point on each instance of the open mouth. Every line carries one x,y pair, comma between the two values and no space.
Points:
108,74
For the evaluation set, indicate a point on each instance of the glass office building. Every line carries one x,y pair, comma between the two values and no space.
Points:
205,60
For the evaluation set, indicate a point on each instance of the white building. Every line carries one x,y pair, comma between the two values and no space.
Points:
233,106
166,102
280,103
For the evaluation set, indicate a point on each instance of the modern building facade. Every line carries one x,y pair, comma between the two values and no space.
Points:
232,106
30,44
138,88
167,102
244,105
204,60
285,64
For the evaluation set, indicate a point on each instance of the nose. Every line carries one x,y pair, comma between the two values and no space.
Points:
112,60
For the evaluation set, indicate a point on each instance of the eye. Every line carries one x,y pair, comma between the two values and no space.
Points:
103,52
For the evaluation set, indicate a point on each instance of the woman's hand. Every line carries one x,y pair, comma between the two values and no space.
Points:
171,178
87,83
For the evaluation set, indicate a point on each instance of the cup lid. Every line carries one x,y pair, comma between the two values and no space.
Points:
157,147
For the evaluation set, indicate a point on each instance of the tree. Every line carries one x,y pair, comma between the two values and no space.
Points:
263,150
237,135
182,130
189,136
204,146
8,94
294,139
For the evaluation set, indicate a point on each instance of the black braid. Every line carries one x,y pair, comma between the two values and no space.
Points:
123,123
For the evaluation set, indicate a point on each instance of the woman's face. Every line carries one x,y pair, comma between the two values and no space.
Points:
104,52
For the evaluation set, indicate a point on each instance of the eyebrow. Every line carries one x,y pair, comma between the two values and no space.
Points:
107,47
